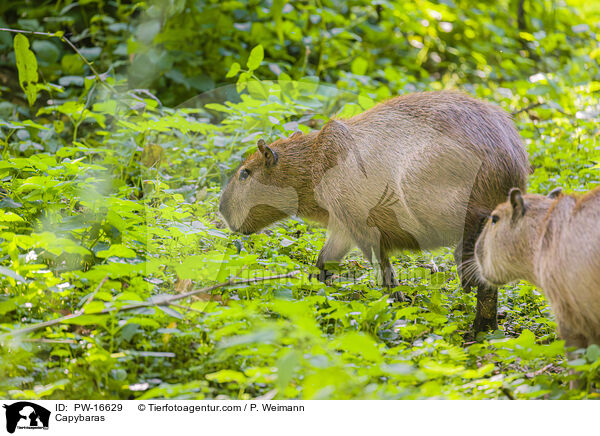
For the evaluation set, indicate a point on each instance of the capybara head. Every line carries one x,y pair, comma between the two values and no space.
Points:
265,188
505,249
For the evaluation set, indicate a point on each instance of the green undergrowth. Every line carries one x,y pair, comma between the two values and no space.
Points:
108,198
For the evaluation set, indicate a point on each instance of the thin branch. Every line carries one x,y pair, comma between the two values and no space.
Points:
50,341
539,371
41,325
88,63
525,109
70,44
186,308
166,301
159,302
27,32
93,294
132,93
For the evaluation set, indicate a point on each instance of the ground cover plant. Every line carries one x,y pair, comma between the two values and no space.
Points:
121,121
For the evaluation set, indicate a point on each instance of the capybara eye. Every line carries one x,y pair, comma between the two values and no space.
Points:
495,219
244,174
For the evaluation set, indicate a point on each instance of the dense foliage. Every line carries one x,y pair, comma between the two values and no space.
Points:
114,155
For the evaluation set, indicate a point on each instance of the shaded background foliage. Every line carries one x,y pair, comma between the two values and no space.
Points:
109,187
178,48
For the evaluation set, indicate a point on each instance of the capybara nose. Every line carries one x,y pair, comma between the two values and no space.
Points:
223,204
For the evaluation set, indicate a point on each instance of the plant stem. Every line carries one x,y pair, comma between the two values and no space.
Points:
164,302
70,44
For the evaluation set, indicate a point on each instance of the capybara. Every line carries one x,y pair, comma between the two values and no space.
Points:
553,242
418,171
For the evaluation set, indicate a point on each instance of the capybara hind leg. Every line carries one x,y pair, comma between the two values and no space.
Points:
487,296
384,271
487,308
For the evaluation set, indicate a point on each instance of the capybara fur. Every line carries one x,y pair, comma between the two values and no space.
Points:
418,171
553,242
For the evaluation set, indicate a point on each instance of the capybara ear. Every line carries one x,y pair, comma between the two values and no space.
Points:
261,145
270,156
518,204
268,153
555,193
295,134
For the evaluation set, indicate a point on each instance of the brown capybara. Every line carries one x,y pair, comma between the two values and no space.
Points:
418,171
553,242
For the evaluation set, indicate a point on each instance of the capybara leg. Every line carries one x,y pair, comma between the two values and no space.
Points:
387,271
464,267
383,270
487,296
334,250
487,307
390,281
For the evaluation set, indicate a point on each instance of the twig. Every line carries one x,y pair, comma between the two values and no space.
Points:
207,297
186,308
66,40
544,369
93,294
132,93
88,63
166,301
539,371
42,325
50,341
525,109
159,302
28,32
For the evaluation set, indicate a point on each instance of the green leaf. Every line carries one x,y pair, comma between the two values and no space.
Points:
256,56
286,367
12,274
226,375
526,36
117,250
359,344
233,70
170,311
10,217
359,66
592,353
9,305
46,51
87,320
27,67
94,307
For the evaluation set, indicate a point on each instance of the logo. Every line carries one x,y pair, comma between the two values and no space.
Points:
26,415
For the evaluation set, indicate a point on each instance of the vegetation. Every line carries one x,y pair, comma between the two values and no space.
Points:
119,123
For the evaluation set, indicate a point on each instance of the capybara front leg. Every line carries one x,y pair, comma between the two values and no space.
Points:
334,250
390,281
487,308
